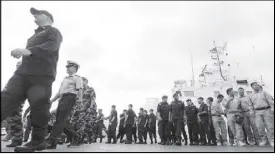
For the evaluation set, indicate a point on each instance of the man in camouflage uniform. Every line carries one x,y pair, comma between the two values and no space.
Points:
14,123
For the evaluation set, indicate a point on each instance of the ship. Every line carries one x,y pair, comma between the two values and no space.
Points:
214,79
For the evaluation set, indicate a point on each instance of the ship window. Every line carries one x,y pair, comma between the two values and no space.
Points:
243,82
188,93
248,92
216,93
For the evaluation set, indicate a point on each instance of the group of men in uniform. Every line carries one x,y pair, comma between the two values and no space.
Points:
247,118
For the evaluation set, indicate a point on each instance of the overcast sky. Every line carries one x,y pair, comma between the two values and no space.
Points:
131,51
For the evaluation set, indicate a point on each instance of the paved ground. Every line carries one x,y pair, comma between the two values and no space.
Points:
102,147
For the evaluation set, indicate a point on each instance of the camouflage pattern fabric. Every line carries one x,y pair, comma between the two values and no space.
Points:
15,124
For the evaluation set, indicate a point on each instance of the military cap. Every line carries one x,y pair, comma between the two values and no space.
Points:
37,12
84,79
71,63
164,97
113,106
188,100
175,94
141,109
253,83
201,98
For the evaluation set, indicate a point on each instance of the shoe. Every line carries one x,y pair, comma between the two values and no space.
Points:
251,142
51,144
186,142
28,144
272,144
219,143
32,148
178,143
263,143
224,143
241,144
14,143
128,142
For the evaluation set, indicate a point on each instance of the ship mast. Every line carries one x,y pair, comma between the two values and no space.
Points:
219,63
193,78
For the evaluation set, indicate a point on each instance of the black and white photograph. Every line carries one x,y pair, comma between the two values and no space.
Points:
137,76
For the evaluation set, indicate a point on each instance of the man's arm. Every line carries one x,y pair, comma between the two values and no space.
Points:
51,45
204,110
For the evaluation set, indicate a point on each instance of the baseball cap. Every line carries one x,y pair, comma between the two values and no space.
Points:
36,12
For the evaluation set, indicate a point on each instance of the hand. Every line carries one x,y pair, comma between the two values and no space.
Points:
160,118
124,125
144,125
17,53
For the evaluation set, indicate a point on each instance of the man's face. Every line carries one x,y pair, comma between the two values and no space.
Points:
99,111
176,97
231,93
124,112
256,87
140,111
144,113
129,107
220,99
71,70
40,19
189,103
151,112
241,92
200,101
164,100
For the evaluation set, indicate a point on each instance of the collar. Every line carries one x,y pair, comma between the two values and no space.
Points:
39,29
71,75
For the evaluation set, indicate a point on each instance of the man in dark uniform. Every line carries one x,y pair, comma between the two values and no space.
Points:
99,125
146,126
177,110
192,122
134,131
129,124
141,126
70,92
209,102
163,119
34,77
203,122
112,126
152,126
121,129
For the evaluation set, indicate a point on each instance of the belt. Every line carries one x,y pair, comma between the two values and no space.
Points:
263,108
233,112
67,94
216,115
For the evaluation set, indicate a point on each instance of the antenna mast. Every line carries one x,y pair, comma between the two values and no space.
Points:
193,78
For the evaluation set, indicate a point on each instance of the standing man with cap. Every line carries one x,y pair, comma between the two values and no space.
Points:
218,121
70,92
112,126
204,123
121,129
192,122
152,126
263,105
34,77
249,120
129,123
234,108
163,120
176,116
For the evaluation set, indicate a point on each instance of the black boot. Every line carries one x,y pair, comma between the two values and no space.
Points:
114,140
15,143
100,140
186,142
32,148
152,142
109,141
178,142
156,141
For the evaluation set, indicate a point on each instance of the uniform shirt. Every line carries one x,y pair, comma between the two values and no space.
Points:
100,116
141,119
71,84
260,100
163,108
203,108
113,115
122,119
177,109
44,46
147,118
191,113
216,109
131,117
234,105
245,104
152,119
